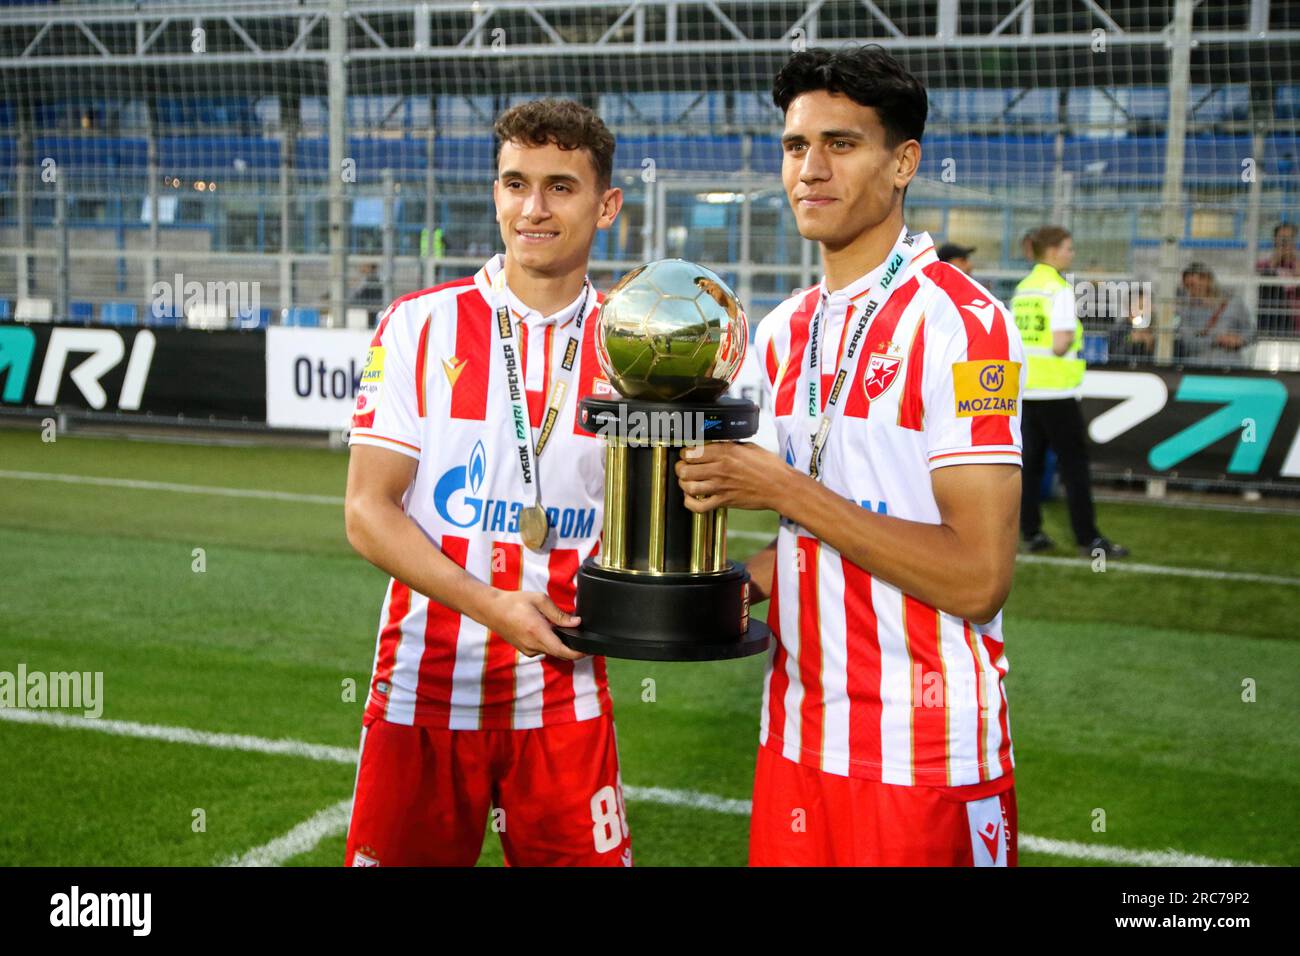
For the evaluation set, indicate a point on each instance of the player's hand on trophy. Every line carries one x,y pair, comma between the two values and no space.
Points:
524,619
729,474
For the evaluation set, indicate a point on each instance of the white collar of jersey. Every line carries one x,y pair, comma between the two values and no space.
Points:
492,277
858,287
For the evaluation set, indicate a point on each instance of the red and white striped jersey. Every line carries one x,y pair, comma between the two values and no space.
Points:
434,389
866,681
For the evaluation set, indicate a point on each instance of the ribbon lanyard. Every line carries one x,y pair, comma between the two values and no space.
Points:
899,267
527,454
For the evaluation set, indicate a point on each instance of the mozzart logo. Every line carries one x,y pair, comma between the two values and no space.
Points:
992,377
103,351
985,388
456,496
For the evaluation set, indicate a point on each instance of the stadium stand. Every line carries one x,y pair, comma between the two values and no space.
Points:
249,319
203,316
301,318
118,313
34,310
162,316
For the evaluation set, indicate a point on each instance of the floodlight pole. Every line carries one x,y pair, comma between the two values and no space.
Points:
338,107
26,231
389,235
1171,195
61,246
1261,108
429,248
154,171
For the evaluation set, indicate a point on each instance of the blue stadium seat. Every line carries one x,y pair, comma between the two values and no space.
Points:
118,313
160,316
301,318
82,313
1286,102
248,319
6,311
1096,348
203,154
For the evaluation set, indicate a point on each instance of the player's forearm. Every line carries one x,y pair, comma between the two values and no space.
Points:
931,562
761,568
384,535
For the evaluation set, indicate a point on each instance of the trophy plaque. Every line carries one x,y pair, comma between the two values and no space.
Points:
670,337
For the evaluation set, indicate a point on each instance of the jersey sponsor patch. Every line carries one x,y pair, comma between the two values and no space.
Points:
987,387
372,377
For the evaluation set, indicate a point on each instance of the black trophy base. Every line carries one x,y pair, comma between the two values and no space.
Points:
665,617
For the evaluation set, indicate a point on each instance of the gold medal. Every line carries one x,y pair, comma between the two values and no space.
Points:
534,527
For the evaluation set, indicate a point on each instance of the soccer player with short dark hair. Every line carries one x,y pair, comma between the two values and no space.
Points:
895,385
474,702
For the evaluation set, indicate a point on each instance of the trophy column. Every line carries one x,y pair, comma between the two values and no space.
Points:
664,521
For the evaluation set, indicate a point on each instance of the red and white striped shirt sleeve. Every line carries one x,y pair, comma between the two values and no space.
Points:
387,410
973,385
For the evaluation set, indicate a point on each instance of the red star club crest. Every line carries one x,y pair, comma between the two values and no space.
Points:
881,372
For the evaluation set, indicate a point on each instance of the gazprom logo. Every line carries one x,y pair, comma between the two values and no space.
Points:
789,452
457,490
458,497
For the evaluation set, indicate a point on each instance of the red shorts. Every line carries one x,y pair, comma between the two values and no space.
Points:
806,817
423,796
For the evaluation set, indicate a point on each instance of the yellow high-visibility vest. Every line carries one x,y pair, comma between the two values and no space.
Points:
1032,309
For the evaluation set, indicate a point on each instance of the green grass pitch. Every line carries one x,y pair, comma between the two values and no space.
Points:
1125,688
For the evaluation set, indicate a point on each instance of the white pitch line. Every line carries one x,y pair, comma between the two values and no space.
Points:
183,735
1137,568
763,536
1119,854
338,500
303,838
173,486
1132,567
334,819
688,798
1192,504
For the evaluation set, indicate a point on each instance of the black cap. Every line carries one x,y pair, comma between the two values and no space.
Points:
951,250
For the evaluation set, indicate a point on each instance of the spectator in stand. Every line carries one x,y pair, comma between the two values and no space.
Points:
958,255
369,292
1133,337
1279,305
1213,326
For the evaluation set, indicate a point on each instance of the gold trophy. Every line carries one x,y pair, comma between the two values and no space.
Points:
670,337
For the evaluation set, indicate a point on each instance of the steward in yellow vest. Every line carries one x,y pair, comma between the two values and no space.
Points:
1032,308
1051,418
